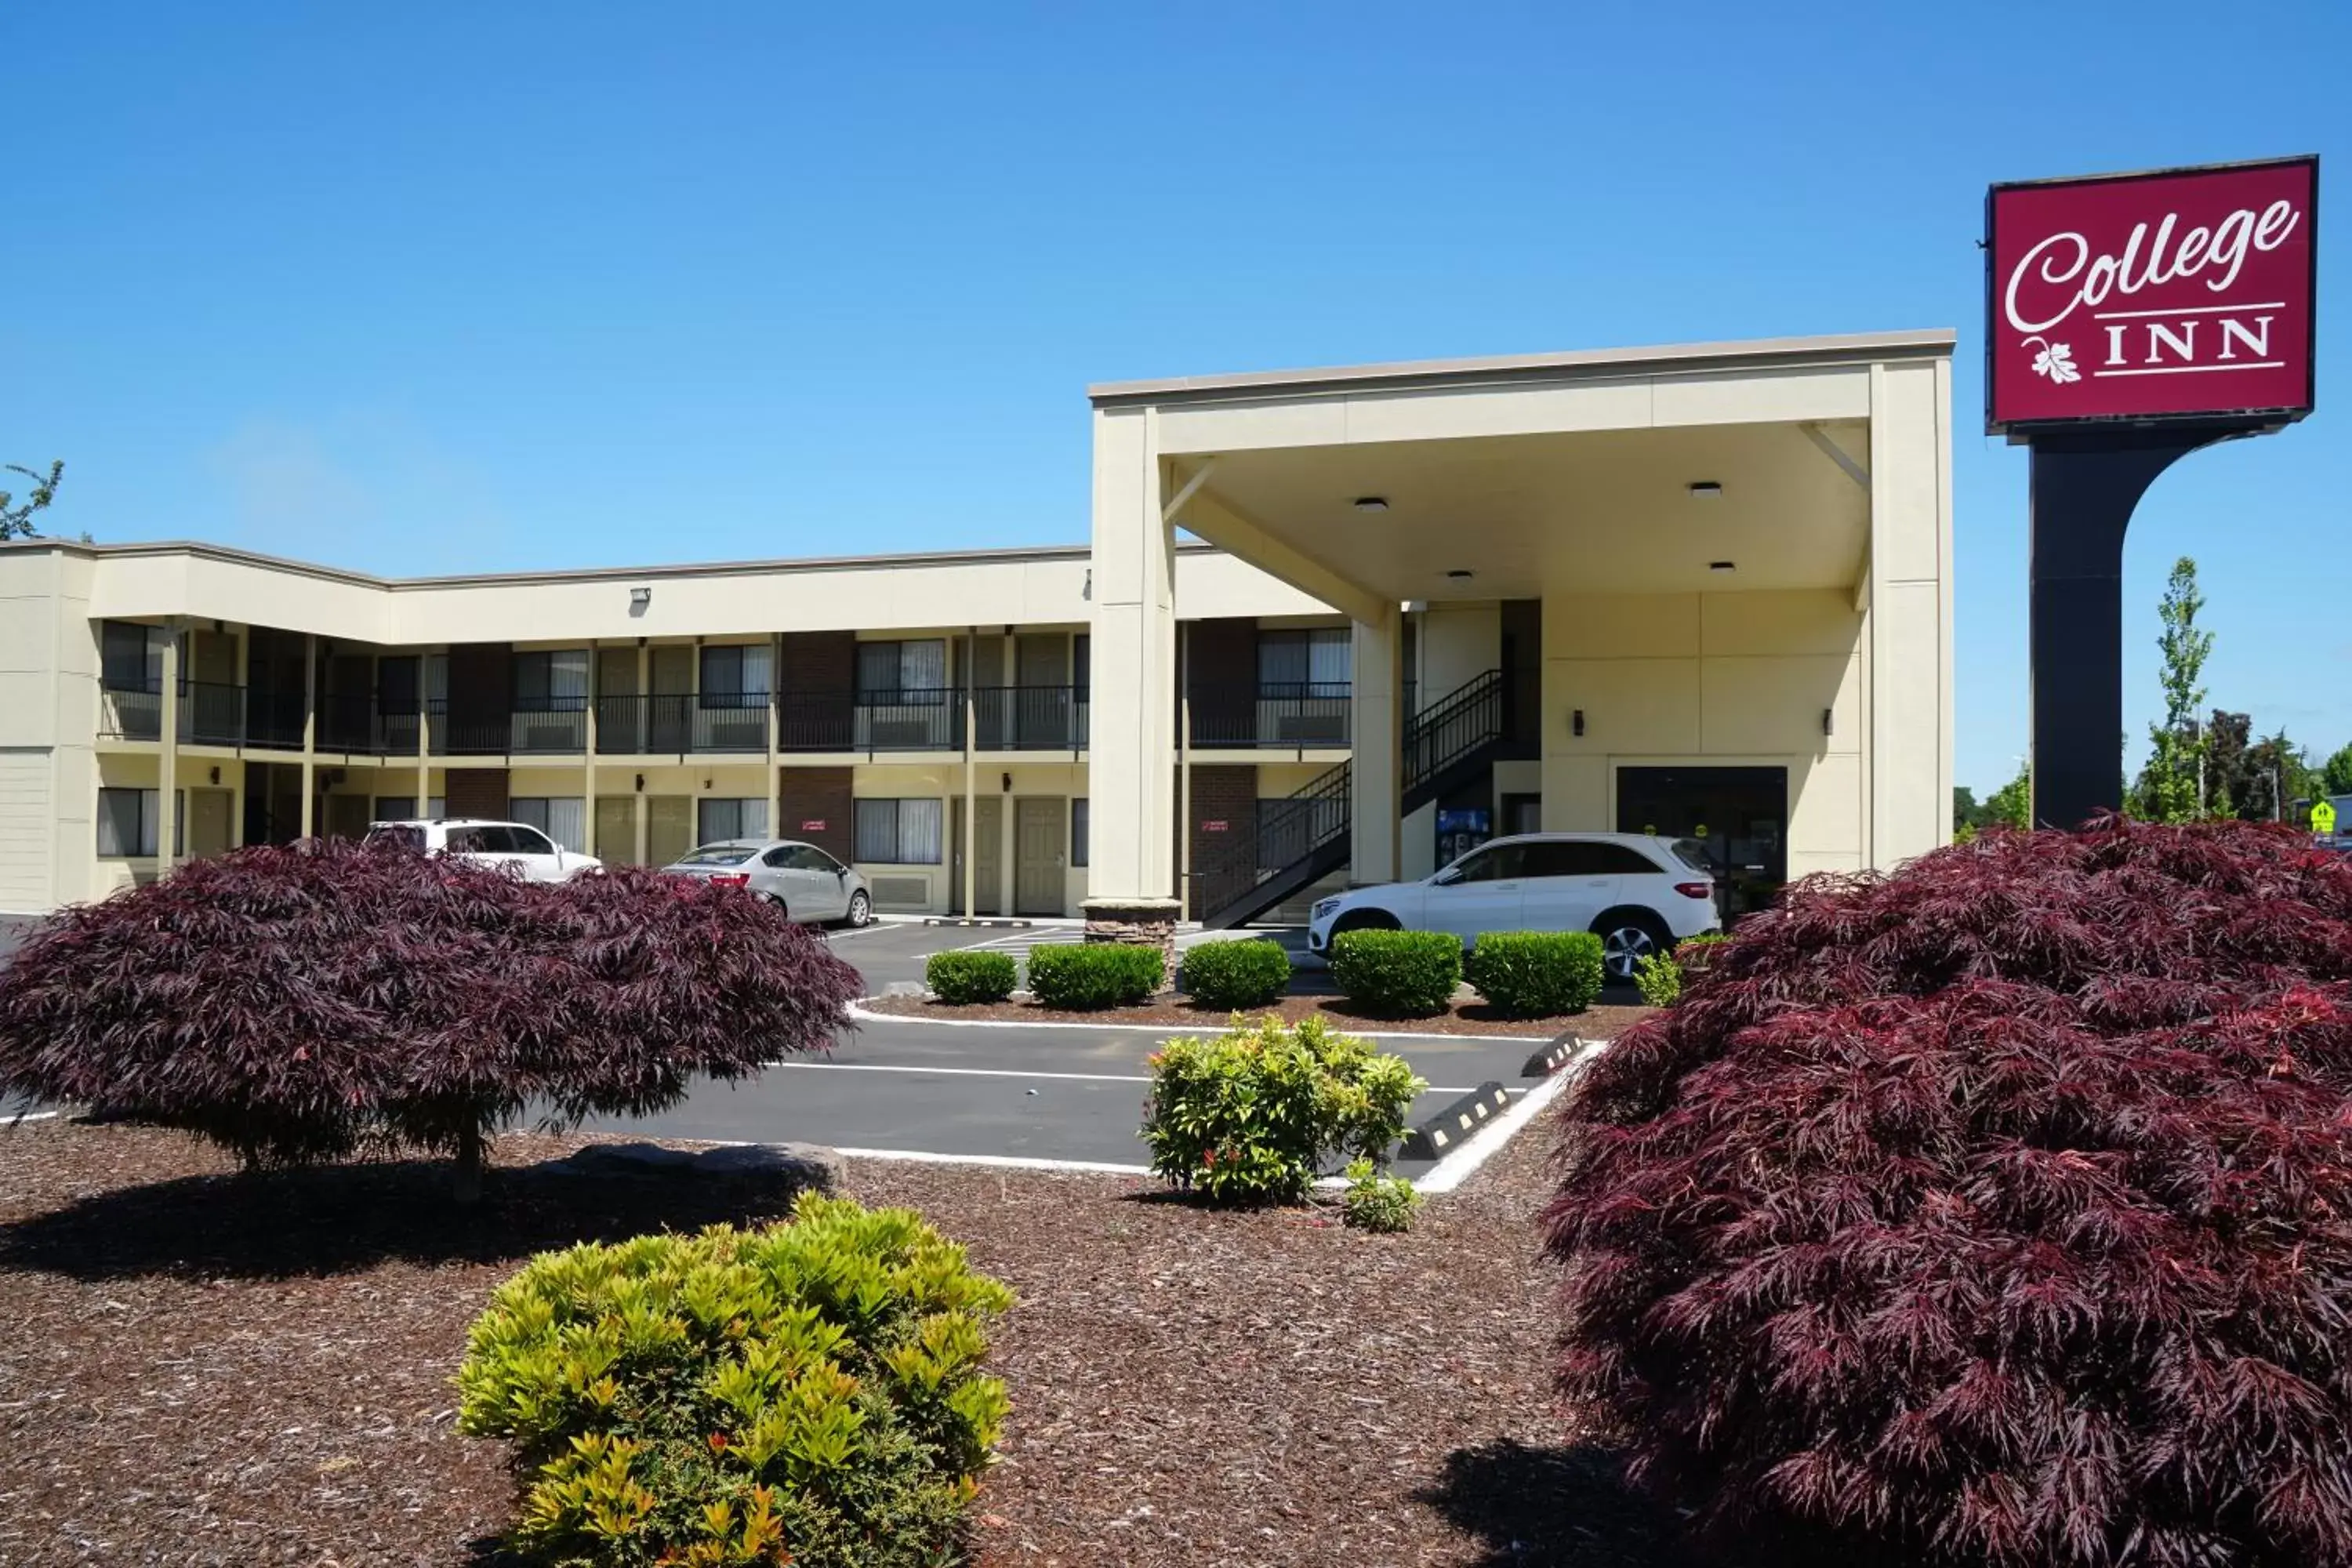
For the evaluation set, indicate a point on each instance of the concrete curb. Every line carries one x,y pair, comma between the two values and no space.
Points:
862,1014
1455,1124
1548,1059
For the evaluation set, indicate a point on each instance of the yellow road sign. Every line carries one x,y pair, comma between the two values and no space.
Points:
2323,817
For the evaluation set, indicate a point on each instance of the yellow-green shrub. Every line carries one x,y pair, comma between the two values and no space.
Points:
810,1392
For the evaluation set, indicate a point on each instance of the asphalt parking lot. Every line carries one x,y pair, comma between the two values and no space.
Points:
1009,1091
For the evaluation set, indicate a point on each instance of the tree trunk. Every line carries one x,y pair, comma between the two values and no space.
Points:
467,1189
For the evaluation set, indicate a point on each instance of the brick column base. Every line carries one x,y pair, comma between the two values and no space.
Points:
1138,922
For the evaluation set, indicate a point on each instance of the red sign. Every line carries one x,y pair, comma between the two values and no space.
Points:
2175,295
815,827
1213,827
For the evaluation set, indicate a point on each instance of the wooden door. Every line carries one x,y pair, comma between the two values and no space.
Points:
208,812
669,827
1040,853
616,829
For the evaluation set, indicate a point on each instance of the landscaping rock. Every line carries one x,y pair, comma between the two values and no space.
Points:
637,1159
802,1164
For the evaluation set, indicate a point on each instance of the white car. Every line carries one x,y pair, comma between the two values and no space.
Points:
1639,894
516,844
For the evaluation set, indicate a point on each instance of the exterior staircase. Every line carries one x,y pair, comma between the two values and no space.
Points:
1304,838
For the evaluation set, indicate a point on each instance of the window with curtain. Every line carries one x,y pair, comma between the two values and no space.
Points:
899,832
126,823
562,817
730,817
735,676
903,673
1312,663
554,681
1078,831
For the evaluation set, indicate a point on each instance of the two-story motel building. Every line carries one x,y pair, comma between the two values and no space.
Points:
1703,590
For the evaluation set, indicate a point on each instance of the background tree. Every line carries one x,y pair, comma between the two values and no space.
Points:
2168,788
2011,805
2228,751
2276,776
17,518
2336,773
1967,815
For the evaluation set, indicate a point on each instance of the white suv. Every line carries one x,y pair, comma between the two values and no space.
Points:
531,852
1639,894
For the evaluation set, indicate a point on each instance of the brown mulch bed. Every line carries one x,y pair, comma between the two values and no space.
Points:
1466,1015
201,1367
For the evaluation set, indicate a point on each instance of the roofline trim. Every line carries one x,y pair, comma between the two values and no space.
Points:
1842,348
231,555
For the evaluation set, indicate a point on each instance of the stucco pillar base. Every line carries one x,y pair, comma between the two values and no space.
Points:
1138,922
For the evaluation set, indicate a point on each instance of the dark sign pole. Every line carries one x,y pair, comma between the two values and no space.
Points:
2084,486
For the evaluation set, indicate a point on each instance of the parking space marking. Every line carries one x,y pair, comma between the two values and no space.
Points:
864,1014
1017,1072
1002,1162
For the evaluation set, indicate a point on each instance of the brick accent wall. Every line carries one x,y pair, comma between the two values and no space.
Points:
476,792
821,663
1222,667
1226,793
817,794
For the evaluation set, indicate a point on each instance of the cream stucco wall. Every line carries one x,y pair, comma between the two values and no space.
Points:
1731,679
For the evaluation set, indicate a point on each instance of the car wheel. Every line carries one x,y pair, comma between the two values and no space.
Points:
1627,937
779,904
1363,919
861,909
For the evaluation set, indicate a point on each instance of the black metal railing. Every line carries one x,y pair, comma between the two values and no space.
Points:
1030,718
212,713
926,719
684,723
1293,714
127,712
1314,819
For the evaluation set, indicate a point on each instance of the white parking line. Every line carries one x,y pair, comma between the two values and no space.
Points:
1015,1072
1462,1164
864,1014
1001,1162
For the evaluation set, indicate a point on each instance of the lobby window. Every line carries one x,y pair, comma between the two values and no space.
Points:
555,682
735,676
1078,830
126,823
743,817
1312,663
562,817
899,832
902,672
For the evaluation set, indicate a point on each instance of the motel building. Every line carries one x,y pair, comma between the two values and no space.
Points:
1333,626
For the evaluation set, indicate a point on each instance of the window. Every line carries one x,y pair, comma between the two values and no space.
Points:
403,836
562,817
809,857
1082,664
731,817
735,677
396,684
899,832
530,841
126,823
1495,863
1078,830
903,672
1303,663
551,682
716,854
400,808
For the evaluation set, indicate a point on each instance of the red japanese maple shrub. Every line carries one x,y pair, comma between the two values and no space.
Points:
295,1004
1998,1212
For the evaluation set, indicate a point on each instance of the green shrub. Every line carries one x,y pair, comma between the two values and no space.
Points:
1375,1201
1084,976
1695,952
1658,978
1537,974
1251,1115
810,1392
1405,973
961,977
1237,974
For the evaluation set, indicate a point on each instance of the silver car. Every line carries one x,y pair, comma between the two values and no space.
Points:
800,878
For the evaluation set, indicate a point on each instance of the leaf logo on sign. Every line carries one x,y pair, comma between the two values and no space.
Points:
2055,361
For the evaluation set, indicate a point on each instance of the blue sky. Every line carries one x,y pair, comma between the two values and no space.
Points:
435,288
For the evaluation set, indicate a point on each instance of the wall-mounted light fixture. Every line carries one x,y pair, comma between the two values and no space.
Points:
1829,720
1705,490
639,598
1576,721
1008,784
641,783
1460,575
1371,503
1723,565
217,775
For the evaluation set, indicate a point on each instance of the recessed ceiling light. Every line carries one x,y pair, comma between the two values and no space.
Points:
1460,575
1721,565
1371,503
1705,490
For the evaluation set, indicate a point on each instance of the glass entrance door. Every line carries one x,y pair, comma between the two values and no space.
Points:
1740,815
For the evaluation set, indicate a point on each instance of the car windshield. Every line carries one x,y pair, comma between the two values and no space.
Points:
395,834
717,855
1691,852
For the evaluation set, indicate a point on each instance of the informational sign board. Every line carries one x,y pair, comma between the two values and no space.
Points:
816,825
1215,826
2177,295
2323,818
